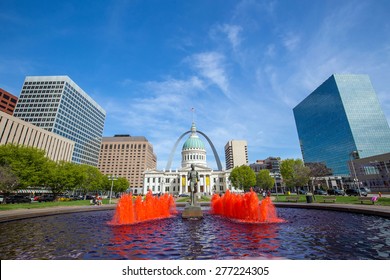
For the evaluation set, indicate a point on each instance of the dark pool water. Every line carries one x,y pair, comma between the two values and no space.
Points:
307,234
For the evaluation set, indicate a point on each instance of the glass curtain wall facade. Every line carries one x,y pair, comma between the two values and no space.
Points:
59,105
341,116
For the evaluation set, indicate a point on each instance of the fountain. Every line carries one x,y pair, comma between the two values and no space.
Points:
308,234
245,208
152,207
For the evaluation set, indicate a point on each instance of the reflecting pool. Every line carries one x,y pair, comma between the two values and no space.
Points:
306,234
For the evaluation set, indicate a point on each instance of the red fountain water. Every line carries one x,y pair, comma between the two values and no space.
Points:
130,211
245,208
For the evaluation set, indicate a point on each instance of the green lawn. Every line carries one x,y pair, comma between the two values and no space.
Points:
187,199
385,201
48,204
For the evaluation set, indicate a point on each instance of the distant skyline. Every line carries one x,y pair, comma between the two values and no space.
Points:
243,65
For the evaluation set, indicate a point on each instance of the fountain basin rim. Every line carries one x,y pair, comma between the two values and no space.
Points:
373,210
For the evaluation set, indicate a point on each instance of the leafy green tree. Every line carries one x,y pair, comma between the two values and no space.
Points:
264,180
91,179
121,185
294,173
317,171
243,177
61,176
8,180
26,163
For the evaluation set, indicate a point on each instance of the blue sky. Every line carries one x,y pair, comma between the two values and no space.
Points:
243,65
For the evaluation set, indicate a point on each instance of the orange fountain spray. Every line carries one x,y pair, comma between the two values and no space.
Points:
130,211
244,207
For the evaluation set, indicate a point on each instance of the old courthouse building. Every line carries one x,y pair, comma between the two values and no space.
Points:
176,181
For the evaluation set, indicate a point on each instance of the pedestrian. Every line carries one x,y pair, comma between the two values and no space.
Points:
264,194
380,194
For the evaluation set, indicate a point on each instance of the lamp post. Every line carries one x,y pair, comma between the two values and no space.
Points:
112,178
355,154
276,185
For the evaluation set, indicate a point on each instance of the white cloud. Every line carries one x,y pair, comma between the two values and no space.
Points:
291,41
231,31
211,65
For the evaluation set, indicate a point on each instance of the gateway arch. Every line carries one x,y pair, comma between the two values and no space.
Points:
169,163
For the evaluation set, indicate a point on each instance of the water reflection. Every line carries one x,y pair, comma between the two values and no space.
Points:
308,234
208,238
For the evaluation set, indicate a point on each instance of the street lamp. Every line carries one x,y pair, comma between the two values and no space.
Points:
276,185
112,178
355,154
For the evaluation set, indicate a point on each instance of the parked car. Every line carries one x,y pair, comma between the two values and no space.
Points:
364,189
184,195
46,197
320,192
335,192
17,199
355,192
302,191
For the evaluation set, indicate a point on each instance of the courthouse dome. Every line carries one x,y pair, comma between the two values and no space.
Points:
193,142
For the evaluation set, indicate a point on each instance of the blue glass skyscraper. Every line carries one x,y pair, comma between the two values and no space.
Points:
341,116
59,105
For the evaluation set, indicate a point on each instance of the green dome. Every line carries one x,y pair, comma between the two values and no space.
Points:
193,142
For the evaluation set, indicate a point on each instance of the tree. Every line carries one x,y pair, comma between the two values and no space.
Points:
121,185
264,180
26,163
243,177
318,170
91,179
61,176
8,180
294,173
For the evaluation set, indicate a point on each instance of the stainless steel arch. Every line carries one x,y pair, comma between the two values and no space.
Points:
169,163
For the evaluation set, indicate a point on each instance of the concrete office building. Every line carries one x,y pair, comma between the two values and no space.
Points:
59,105
127,156
236,153
372,172
7,102
272,164
341,120
15,131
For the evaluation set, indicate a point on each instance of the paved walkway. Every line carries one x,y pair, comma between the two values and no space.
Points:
12,215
